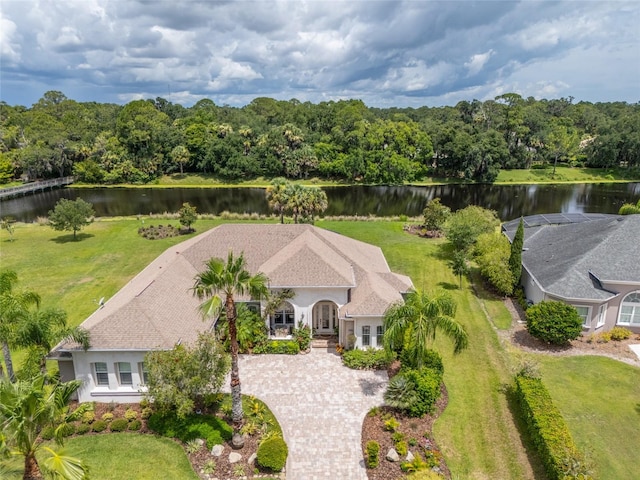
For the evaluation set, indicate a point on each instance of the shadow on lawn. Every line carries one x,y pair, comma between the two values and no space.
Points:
69,238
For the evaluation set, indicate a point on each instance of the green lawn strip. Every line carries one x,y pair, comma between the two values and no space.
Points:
600,401
564,175
477,431
115,456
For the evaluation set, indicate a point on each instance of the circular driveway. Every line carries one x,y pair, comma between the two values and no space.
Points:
320,405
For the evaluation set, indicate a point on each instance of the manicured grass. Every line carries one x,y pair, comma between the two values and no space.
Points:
477,431
600,400
130,455
564,175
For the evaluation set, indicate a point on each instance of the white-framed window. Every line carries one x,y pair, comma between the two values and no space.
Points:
284,315
101,373
602,315
584,314
124,373
144,373
379,335
630,310
366,335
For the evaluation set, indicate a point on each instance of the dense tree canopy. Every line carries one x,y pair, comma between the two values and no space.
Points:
344,140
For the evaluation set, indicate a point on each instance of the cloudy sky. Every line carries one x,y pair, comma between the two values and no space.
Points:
387,53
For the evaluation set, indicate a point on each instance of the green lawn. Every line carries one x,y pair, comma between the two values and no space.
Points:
600,400
564,175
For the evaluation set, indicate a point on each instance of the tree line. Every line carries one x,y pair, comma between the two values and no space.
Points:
341,140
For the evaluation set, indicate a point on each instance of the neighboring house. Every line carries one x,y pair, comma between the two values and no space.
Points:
339,284
591,261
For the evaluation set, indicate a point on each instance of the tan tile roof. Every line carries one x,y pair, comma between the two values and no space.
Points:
156,309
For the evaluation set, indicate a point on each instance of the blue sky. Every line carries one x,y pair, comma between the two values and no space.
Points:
398,53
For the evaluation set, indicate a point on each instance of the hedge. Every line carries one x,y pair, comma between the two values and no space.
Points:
369,359
548,430
288,347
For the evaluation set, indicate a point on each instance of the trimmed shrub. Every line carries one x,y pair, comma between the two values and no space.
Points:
67,429
548,429
369,359
135,425
146,412
99,426
119,425
48,433
425,475
554,322
432,359
107,417
214,430
402,448
373,454
619,333
83,428
288,347
414,391
88,417
272,454
130,414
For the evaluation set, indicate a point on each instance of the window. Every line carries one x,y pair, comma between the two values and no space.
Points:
284,315
124,373
630,310
102,376
602,315
379,334
144,373
366,335
253,307
583,313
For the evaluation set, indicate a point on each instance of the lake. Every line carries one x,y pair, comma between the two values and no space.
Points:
510,201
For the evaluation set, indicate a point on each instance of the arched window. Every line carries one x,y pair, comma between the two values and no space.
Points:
630,310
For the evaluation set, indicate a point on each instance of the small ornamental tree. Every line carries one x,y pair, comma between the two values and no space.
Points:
464,227
459,265
435,214
515,259
71,215
7,224
181,378
554,322
188,216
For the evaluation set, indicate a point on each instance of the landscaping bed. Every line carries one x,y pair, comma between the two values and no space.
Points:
417,432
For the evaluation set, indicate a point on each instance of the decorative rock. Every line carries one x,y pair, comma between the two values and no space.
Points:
252,458
217,450
200,441
410,457
234,457
392,455
237,441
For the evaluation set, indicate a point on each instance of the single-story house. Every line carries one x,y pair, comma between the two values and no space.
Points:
591,261
341,287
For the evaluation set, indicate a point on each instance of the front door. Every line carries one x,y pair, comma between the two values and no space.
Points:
325,318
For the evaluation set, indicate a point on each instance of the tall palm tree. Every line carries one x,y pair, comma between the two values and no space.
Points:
41,330
412,325
28,406
277,196
226,280
14,306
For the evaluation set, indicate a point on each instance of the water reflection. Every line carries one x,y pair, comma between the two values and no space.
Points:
509,201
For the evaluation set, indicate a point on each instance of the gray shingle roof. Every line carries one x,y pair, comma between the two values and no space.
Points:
156,309
561,257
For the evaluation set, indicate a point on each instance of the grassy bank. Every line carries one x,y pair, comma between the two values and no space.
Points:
505,177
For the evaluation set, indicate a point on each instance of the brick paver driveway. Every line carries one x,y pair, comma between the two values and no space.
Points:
320,405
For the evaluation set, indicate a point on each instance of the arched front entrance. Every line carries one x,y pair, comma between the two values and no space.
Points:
325,318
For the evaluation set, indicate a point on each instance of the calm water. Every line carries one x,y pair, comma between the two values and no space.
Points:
509,201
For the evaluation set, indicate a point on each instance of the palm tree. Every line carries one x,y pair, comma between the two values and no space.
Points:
41,330
226,280
28,406
14,306
277,196
412,325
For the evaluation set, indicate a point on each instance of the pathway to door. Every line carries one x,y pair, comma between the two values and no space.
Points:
320,405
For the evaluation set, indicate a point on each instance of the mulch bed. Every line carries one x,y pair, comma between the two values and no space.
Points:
415,430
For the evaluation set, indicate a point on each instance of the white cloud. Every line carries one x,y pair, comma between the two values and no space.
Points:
477,61
9,46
